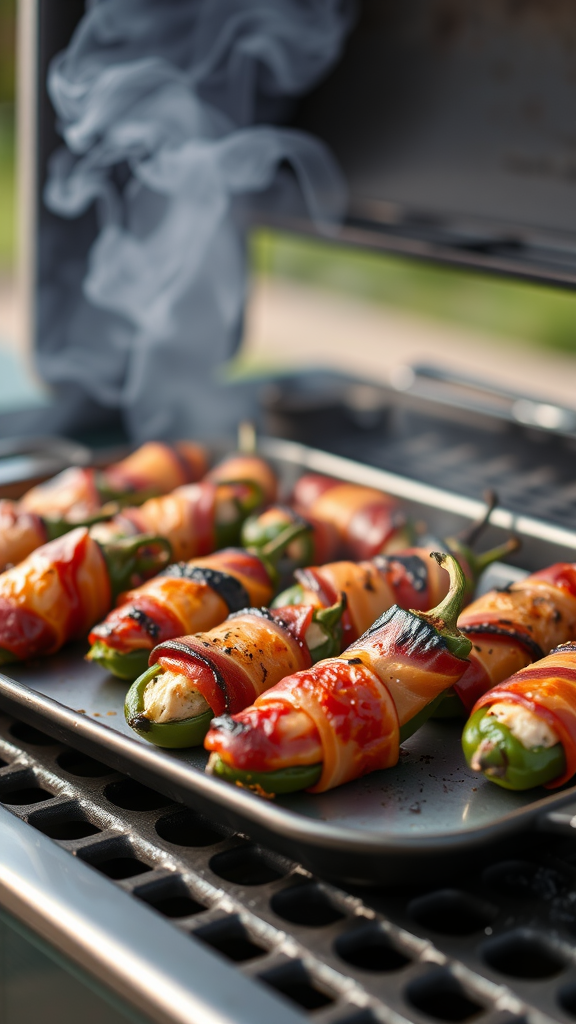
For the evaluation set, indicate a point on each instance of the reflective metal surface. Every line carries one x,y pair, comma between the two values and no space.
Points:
428,809
495,941
76,909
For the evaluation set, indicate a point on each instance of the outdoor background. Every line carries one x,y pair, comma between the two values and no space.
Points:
317,303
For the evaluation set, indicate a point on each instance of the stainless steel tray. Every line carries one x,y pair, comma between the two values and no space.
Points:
421,814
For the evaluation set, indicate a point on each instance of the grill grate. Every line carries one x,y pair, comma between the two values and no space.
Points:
499,947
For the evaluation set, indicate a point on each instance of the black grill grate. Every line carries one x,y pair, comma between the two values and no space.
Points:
498,947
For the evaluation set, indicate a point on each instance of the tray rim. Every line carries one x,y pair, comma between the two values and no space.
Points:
169,775
318,461
273,824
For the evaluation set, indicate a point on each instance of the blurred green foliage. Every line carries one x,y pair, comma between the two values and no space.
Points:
526,312
7,188
7,49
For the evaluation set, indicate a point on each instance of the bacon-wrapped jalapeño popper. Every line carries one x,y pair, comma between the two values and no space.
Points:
154,468
188,597
367,521
75,497
318,543
408,578
346,716
321,541
522,733
62,588
78,497
513,627
196,519
240,467
193,678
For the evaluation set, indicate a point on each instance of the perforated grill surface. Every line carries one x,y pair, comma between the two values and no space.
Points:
493,947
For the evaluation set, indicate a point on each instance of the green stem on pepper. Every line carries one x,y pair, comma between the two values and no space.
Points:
260,530
478,563
444,617
271,552
133,560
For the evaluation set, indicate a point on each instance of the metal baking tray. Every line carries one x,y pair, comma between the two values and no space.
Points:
421,815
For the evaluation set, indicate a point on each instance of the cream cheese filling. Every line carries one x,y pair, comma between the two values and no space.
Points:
171,697
525,726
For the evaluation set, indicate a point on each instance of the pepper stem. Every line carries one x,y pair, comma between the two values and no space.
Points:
470,535
133,560
444,617
276,547
481,562
477,563
272,552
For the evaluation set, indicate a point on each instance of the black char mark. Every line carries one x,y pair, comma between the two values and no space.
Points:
570,646
140,723
232,592
262,613
415,568
415,635
144,620
480,628
176,645
225,723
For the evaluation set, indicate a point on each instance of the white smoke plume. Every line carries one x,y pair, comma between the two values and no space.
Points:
167,109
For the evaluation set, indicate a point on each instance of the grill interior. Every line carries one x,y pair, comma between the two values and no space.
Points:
497,946
436,433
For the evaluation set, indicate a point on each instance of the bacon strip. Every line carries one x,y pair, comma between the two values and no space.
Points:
73,488
509,629
53,596
365,518
158,466
169,606
355,704
410,659
236,661
410,579
185,517
20,533
247,467
354,715
548,689
154,466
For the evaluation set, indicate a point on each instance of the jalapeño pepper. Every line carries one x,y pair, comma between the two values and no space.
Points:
187,597
64,587
522,733
346,716
293,640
